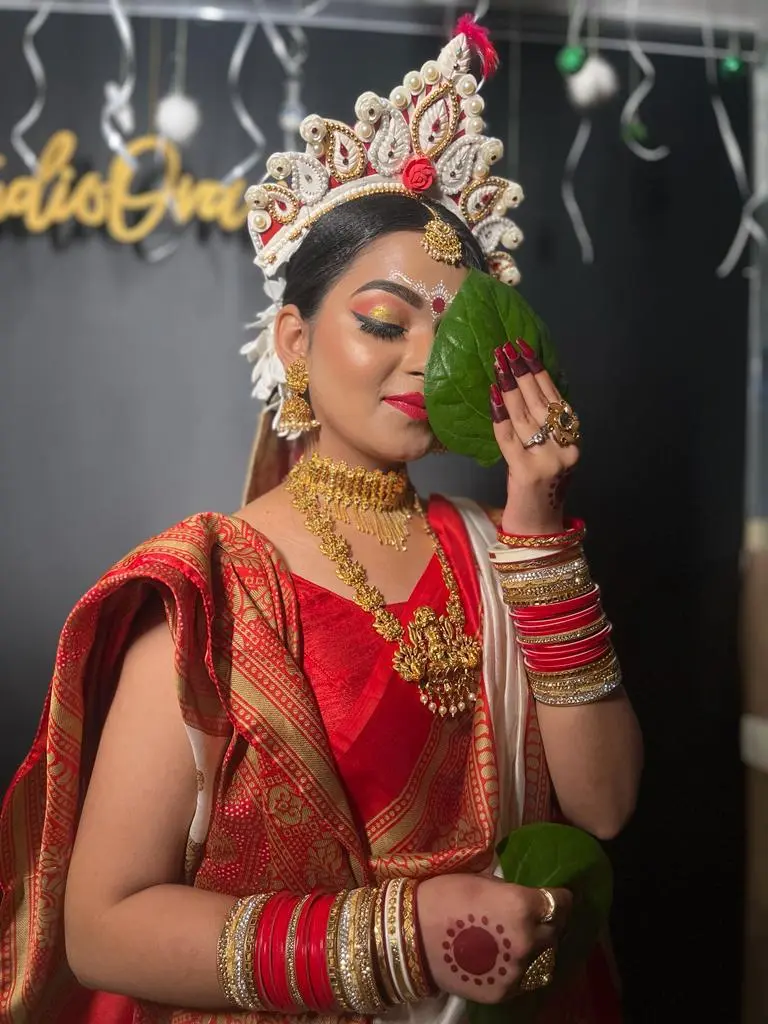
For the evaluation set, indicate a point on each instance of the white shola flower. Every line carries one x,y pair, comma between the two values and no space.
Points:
268,373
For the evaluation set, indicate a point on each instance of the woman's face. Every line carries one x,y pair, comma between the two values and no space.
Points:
367,348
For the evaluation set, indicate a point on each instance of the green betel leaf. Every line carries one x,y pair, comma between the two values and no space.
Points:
484,315
555,856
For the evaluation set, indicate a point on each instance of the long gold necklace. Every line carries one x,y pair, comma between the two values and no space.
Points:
437,654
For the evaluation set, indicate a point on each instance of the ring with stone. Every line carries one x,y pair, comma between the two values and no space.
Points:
563,424
540,437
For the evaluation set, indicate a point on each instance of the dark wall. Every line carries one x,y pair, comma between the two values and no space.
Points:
125,407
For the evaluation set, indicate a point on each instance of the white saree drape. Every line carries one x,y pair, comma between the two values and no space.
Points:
507,694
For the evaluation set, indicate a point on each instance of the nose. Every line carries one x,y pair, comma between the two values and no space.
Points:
416,354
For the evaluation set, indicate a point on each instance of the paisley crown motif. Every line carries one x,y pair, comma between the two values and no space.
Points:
425,140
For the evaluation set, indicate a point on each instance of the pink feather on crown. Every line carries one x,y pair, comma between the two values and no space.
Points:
480,41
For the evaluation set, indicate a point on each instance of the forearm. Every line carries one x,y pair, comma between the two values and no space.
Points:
590,734
595,757
356,951
159,944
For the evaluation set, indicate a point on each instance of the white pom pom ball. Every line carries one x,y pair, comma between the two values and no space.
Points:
177,117
596,83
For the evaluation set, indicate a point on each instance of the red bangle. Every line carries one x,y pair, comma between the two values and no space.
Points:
316,955
550,611
568,664
303,981
267,938
261,947
278,958
563,624
574,532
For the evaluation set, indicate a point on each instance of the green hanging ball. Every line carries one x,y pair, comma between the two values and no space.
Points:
571,59
732,66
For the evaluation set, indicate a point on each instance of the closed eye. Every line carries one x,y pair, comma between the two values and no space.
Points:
379,328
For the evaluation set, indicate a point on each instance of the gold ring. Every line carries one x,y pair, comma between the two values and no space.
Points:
540,973
563,424
549,917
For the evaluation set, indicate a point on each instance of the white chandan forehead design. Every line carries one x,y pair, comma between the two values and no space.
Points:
438,299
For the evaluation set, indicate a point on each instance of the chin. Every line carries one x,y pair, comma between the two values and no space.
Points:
410,451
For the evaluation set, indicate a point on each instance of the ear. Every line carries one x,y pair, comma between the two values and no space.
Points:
291,335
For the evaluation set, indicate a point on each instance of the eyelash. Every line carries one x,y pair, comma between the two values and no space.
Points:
378,329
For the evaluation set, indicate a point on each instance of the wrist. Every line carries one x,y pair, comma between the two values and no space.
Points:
513,523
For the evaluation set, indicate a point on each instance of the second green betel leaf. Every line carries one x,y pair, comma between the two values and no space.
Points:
484,315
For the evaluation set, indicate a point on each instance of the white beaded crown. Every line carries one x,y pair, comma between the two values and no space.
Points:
425,141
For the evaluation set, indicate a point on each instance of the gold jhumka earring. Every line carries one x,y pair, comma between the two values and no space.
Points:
296,414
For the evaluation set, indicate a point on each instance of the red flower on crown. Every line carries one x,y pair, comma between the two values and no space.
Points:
419,174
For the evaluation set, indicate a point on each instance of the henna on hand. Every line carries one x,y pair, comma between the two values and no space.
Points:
477,950
558,489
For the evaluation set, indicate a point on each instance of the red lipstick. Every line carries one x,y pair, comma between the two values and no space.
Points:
411,404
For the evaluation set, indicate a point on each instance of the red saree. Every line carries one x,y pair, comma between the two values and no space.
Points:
296,731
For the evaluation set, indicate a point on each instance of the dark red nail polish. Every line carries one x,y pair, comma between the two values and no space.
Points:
504,375
530,356
498,409
516,362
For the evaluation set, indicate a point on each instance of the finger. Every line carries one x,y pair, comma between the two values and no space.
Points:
528,383
512,424
536,367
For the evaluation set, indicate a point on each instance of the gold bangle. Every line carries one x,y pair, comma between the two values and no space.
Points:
514,569
222,953
582,633
579,686
346,944
385,975
290,954
552,540
394,911
419,985
542,562
534,596
332,952
364,956
546,575
250,923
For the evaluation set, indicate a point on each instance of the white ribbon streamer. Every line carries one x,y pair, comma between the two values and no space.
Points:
121,97
748,226
32,58
568,191
247,123
641,93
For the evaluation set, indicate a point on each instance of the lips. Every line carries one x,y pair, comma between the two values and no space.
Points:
411,404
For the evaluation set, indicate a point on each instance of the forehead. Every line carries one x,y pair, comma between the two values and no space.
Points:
401,253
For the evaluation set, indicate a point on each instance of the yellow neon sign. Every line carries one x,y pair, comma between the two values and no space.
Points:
55,194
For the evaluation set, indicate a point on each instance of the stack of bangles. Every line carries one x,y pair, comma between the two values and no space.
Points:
558,617
359,951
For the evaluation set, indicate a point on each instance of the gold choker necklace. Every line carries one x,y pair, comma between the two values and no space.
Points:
436,653
377,504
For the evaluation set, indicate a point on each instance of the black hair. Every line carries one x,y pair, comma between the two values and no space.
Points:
340,235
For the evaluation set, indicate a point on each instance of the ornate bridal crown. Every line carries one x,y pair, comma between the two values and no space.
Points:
424,140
